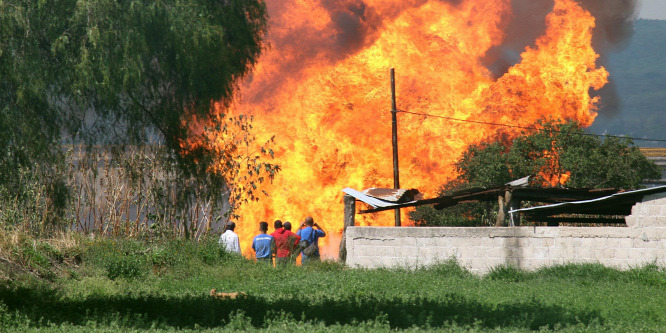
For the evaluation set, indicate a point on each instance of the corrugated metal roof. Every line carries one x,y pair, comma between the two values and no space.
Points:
614,204
393,195
553,195
371,200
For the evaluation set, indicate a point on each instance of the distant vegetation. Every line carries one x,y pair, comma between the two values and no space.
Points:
639,75
77,284
554,155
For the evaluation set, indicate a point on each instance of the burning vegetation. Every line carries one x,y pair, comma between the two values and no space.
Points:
322,88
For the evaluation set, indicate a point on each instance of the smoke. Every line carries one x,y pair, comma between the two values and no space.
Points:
615,22
614,29
522,27
353,25
356,24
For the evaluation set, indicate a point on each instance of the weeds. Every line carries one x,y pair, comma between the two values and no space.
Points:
117,287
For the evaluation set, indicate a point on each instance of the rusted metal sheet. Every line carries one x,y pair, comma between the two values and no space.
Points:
393,195
385,199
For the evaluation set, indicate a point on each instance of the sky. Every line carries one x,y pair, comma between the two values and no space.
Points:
653,9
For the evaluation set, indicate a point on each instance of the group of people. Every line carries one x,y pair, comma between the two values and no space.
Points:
283,244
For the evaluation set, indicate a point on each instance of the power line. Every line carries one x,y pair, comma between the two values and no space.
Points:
525,127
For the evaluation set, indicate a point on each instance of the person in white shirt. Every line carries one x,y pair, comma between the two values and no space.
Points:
229,239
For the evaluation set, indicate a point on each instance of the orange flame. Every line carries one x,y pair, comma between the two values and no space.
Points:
552,174
328,105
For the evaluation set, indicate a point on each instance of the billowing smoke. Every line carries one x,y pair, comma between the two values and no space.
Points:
353,26
614,28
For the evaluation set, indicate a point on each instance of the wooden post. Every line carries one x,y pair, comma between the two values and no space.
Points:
394,131
515,218
504,202
500,211
350,213
507,203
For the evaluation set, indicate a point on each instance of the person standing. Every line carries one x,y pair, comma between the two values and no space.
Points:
277,225
312,235
229,239
286,243
263,244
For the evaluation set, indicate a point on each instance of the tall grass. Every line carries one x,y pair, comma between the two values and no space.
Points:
165,285
133,192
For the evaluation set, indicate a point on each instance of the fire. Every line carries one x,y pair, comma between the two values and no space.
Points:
552,174
323,90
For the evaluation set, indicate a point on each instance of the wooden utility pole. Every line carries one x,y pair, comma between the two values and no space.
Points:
350,211
394,129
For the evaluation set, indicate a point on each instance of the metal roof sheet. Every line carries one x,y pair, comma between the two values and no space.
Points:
615,204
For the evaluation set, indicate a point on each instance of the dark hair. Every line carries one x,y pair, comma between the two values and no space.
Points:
263,226
287,225
277,224
230,226
309,221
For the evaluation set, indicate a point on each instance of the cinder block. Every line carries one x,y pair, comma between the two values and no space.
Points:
446,252
408,251
583,253
540,253
622,253
626,243
425,242
599,254
492,252
654,210
636,254
638,243
480,252
537,242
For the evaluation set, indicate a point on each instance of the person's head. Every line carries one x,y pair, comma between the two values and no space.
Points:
230,226
263,226
309,221
277,224
287,225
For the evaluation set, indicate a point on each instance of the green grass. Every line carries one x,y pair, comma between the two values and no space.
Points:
167,289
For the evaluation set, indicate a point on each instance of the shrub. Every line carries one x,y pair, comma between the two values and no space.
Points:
126,266
507,273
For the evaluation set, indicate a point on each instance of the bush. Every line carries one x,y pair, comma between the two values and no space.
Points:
126,266
120,258
507,273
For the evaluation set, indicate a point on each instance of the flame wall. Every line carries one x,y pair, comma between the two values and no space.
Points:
323,89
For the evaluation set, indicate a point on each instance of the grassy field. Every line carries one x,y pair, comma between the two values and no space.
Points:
121,285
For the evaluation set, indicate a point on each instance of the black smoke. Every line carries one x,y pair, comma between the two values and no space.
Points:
614,27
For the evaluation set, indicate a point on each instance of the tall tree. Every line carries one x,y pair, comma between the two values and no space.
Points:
555,154
123,73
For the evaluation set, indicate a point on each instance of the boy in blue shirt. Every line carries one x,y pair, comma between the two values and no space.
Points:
263,244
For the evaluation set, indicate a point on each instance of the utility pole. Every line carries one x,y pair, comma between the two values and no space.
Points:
394,128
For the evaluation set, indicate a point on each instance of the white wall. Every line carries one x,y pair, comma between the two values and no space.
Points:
479,249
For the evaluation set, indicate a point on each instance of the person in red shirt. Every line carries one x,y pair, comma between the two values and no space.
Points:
286,243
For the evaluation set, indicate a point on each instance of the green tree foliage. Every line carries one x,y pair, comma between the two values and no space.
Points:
126,73
554,153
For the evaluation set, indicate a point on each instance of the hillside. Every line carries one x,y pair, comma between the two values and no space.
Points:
638,73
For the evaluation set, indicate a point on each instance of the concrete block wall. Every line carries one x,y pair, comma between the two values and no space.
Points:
650,212
480,249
